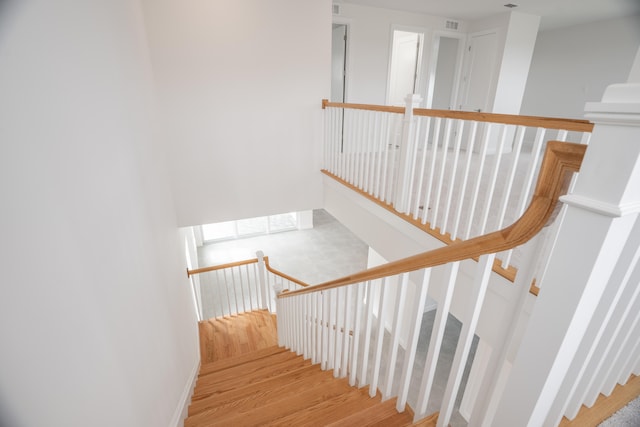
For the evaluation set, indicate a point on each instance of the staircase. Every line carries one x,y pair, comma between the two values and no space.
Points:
259,383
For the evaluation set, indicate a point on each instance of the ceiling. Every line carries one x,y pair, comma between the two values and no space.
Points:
554,13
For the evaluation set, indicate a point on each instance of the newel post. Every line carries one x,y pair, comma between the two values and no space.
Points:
599,222
407,154
265,295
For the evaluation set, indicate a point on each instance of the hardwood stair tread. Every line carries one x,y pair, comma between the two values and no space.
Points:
279,407
222,364
331,410
381,415
252,392
245,369
264,373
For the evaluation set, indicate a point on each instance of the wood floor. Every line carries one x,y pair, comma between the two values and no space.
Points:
225,337
247,380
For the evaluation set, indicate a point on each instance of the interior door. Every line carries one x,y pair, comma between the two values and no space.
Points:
480,72
405,63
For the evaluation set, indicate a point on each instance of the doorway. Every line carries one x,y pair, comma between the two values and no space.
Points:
445,71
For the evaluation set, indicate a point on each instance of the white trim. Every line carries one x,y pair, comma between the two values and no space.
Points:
600,207
182,409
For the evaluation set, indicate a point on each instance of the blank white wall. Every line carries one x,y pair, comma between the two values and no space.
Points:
97,326
574,65
241,83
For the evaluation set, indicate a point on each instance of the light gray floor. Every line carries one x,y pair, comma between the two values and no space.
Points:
329,251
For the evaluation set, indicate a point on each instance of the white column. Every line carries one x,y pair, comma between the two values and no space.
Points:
601,213
401,202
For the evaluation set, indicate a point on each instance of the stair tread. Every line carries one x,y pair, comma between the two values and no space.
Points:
381,415
429,421
278,407
230,362
330,410
252,392
245,369
262,374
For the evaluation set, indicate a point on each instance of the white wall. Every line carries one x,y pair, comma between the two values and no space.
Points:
241,83
97,326
574,65
370,46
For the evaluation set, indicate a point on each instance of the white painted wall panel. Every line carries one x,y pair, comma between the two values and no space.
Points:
240,85
97,325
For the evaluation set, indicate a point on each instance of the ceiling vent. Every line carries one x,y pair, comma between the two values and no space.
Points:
451,25
336,9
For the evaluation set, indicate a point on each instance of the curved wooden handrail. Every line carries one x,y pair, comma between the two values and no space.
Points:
221,266
561,159
283,275
509,119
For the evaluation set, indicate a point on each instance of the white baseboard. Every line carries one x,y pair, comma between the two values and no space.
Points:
185,399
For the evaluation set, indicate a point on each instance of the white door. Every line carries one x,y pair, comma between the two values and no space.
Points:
480,72
405,64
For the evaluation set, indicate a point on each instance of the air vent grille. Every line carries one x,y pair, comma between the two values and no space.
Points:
451,25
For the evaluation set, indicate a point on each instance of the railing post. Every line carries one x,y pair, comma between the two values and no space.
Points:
262,281
407,145
580,285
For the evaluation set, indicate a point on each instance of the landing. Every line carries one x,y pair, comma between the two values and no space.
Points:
224,337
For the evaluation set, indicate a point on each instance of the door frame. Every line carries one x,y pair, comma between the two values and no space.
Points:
347,55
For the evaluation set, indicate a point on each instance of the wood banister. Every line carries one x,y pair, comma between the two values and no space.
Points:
221,266
560,161
283,275
509,119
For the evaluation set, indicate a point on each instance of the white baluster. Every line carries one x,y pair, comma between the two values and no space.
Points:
346,330
439,183
325,330
435,342
476,190
471,140
423,162
339,324
375,374
452,175
478,292
401,293
353,357
491,188
432,168
367,335
412,343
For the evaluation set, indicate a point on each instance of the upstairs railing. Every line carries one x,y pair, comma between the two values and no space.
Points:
454,174
354,325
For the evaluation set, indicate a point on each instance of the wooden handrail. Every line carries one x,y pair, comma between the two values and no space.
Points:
221,266
245,262
561,159
509,119
283,275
